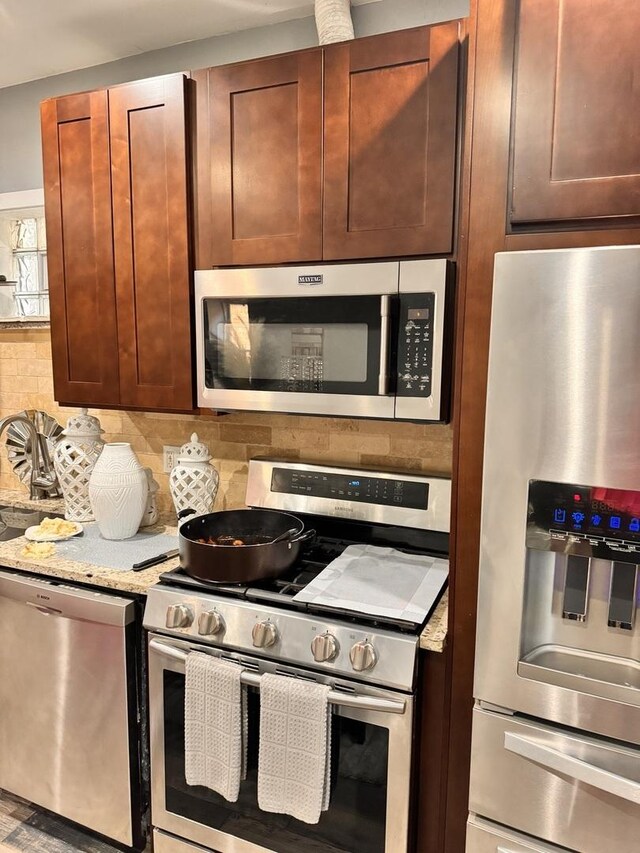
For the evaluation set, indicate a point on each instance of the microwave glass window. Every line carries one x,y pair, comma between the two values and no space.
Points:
317,345
336,352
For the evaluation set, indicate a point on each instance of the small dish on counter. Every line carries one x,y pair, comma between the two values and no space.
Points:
53,530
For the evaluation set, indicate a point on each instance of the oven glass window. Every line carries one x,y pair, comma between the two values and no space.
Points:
354,822
307,345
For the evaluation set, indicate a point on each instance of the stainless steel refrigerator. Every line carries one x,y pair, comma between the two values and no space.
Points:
556,737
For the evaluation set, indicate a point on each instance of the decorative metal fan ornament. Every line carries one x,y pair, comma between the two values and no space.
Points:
19,446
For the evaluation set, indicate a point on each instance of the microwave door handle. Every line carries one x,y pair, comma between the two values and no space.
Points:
383,376
335,697
575,768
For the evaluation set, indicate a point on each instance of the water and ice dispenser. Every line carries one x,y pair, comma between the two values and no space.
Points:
580,627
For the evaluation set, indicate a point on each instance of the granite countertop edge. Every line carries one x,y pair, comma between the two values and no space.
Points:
434,635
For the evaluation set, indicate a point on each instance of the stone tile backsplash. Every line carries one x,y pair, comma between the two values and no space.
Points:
26,382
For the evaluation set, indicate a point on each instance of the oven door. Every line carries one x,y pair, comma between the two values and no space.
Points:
371,764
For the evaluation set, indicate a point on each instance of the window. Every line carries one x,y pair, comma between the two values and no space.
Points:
28,243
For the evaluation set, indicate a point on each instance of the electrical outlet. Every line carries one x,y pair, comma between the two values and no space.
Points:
169,457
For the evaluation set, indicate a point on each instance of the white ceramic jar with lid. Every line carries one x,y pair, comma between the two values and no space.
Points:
74,458
193,480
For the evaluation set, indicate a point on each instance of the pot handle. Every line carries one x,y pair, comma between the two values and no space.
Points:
302,537
184,514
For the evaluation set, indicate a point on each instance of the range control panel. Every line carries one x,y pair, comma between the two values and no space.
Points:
589,521
415,344
345,487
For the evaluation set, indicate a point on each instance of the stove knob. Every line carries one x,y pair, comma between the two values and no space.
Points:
264,634
324,647
210,622
363,656
179,616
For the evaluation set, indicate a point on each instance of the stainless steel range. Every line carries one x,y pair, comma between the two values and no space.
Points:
368,659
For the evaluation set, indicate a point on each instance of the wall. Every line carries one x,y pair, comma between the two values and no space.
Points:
20,156
26,382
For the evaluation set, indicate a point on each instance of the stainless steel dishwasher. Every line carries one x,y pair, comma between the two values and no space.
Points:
68,703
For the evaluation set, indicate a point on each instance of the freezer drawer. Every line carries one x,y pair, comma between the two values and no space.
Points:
574,791
486,837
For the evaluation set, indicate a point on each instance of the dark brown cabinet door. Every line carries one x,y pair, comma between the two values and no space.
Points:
151,242
390,144
576,144
260,161
77,179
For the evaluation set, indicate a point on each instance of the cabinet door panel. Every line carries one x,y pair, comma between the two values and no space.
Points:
262,173
577,111
152,259
390,137
75,141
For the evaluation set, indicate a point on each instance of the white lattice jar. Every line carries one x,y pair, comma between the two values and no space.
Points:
194,481
74,458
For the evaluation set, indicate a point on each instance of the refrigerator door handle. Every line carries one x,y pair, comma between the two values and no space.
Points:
577,769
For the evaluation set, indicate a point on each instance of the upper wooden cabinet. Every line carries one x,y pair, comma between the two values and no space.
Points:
77,185
259,164
116,207
576,150
298,162
390,144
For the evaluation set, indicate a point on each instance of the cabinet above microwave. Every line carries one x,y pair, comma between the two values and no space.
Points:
342,152
353,340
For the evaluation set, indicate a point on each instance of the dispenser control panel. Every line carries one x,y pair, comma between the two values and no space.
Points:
415,344
590,521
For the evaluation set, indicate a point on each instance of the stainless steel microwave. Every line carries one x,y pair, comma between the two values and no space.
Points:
365,340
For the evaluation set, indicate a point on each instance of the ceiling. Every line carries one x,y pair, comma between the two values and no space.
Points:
45,37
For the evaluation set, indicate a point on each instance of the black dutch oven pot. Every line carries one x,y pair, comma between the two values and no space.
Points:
260,558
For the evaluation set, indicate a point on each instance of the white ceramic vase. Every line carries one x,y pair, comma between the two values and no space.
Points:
118,490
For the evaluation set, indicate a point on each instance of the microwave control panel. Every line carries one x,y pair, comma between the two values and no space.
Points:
415,345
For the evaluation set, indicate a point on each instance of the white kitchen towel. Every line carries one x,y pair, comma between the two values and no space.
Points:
294,765
215,722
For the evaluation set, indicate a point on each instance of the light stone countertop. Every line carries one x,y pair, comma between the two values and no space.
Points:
434,635
86,573
19,498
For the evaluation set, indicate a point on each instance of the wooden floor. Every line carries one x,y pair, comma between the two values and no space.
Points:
24,828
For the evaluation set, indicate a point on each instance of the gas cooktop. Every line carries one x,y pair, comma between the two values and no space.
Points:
281,591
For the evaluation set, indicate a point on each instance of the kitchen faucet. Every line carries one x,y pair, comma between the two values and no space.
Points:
40,479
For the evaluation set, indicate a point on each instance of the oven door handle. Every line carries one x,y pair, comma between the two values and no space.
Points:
335,697
383,375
